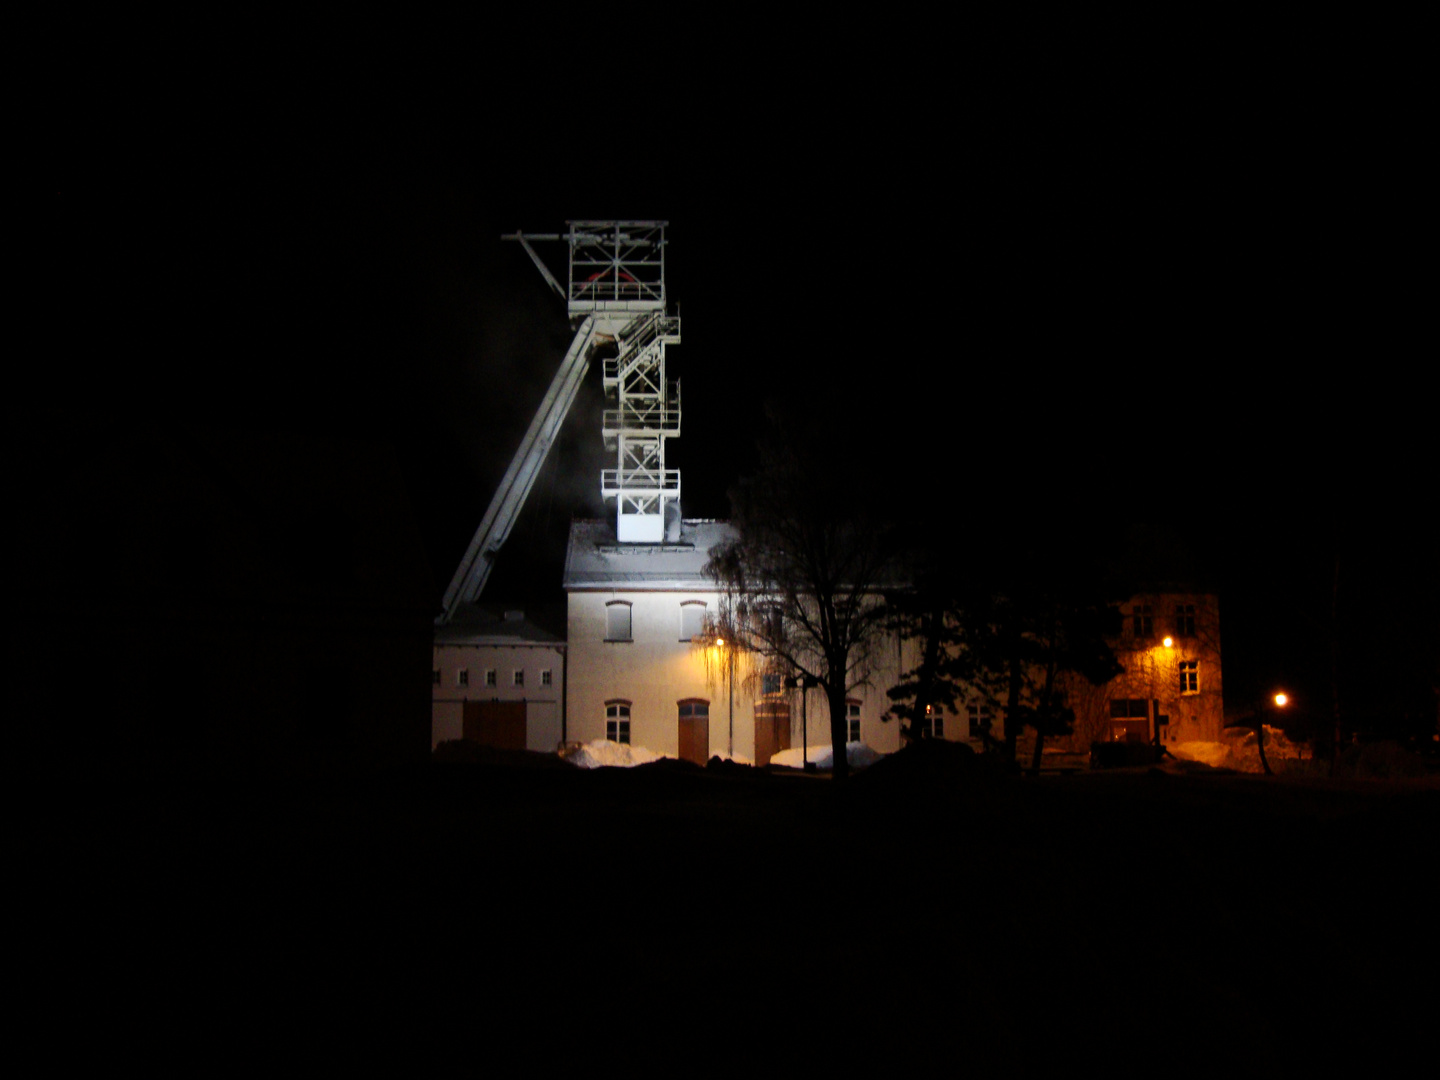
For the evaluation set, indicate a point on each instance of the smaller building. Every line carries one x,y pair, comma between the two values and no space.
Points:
1171,690
497,680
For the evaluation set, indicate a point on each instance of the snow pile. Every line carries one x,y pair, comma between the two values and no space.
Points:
1240,753
856,753
1207,753
1279,751
601,753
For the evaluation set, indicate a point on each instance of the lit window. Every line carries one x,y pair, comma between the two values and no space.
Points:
545,677
1143,620
617,621
852,721
519,677
692,620
490,679
1129,720
980,719
462,677
617,722
1189,676
1185,620
933,726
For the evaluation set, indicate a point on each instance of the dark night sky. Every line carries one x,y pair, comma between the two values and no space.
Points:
1179,297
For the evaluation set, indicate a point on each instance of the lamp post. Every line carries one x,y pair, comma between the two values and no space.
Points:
803,684
727,658
1280,699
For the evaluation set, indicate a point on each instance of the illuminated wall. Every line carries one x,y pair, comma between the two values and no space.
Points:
462,677
655,670
1153,670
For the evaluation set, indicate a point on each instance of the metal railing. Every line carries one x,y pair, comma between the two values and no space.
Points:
639,481
653,327
610,288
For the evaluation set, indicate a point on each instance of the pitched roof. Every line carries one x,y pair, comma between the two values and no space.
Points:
473,625
596,560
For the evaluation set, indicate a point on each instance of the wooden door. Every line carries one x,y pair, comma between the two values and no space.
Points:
500,724
772,730
695,739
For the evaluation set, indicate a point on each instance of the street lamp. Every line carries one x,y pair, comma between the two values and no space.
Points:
803,683
1281,699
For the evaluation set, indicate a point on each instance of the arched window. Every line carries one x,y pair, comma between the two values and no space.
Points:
692,619
694,709
771,619
617,721
617,620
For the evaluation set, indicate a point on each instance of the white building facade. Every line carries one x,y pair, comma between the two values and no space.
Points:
642,670
500,682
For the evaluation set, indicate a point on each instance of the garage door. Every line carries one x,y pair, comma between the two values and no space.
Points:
500,724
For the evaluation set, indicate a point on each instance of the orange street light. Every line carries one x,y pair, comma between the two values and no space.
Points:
1281,700
1169,642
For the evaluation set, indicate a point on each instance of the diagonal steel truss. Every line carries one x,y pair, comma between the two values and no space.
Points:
616,289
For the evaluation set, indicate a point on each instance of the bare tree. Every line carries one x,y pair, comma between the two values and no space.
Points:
801,581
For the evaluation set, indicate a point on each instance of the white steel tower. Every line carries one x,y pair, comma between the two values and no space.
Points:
617,291
646,405
617,272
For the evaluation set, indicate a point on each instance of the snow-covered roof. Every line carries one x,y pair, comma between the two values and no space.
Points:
477,626
596,560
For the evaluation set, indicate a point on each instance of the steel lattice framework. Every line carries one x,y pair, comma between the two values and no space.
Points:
618,268
615,294
647,413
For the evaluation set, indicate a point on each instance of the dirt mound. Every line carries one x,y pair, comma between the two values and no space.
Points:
465,752
930,761
669,765
1381,761
726,767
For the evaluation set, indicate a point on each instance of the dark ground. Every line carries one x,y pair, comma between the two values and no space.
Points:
928,912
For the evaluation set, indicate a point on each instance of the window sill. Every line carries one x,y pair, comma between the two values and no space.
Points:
618,640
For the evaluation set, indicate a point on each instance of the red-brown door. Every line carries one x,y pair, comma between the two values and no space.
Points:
695,731
772,729
500,724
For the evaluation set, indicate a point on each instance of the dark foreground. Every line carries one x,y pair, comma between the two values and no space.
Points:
926,913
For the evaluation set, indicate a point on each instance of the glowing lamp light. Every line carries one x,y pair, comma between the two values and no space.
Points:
1281,700
1169,642
719,642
